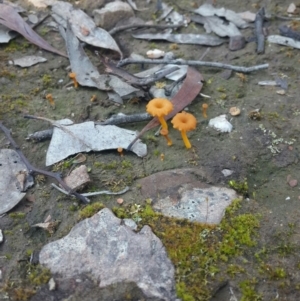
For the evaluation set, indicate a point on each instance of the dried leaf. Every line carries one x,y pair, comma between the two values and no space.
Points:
11,19
198,39
276,39
218,26
10,187
207,10
190,88
86,137
86,73
83,26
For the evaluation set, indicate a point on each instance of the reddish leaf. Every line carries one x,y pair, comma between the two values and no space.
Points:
191,87
12,20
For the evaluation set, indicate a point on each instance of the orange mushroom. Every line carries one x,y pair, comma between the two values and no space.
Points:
165,132
51,100
204,110
184,122
160,107
120,151
72,75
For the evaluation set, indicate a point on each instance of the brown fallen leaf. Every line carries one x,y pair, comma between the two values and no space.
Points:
12,20
191,87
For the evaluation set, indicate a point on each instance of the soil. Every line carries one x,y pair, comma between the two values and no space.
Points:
263,151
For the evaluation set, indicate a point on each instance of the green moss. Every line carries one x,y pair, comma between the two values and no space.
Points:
29,252
39,275
8,256
17,45
47,80
17,215
22,294
126,164
248,290
240,187
90,210
156,153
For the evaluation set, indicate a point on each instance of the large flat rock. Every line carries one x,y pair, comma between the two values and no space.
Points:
102,246
183,193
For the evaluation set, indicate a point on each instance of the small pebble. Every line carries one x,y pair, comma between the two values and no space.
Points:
237,43
287,198
51,284
120,201
293,183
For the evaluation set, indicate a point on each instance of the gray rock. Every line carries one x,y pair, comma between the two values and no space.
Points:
179,193
113,254
112,13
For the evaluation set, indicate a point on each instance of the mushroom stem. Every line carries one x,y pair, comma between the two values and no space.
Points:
72,75
163,122
185,139
204,110
164,133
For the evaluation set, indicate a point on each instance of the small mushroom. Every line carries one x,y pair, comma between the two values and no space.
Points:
204,110
165,132
72,75
234,111
184,122
51,100
160,107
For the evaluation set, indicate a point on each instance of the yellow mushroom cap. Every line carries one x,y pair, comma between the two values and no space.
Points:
159,107
184,121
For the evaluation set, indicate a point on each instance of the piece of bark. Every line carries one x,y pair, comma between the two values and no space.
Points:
260,38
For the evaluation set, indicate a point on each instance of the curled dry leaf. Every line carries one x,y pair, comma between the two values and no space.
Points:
198,39
83,26
11,19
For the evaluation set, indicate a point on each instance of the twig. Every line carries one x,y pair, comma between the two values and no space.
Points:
132,26
60,126
93,193
33,170
193,63
260,38
132,79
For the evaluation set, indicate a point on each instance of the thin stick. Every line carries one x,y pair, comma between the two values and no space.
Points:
60,126
194,63
260,38
93,193
33,170
132,26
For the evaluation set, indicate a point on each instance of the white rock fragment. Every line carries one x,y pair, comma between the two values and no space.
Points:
28,61
227,172
220,124
291,9
1,236
155,53
51,284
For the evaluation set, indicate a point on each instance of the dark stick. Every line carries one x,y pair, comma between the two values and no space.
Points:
119,119
33,170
